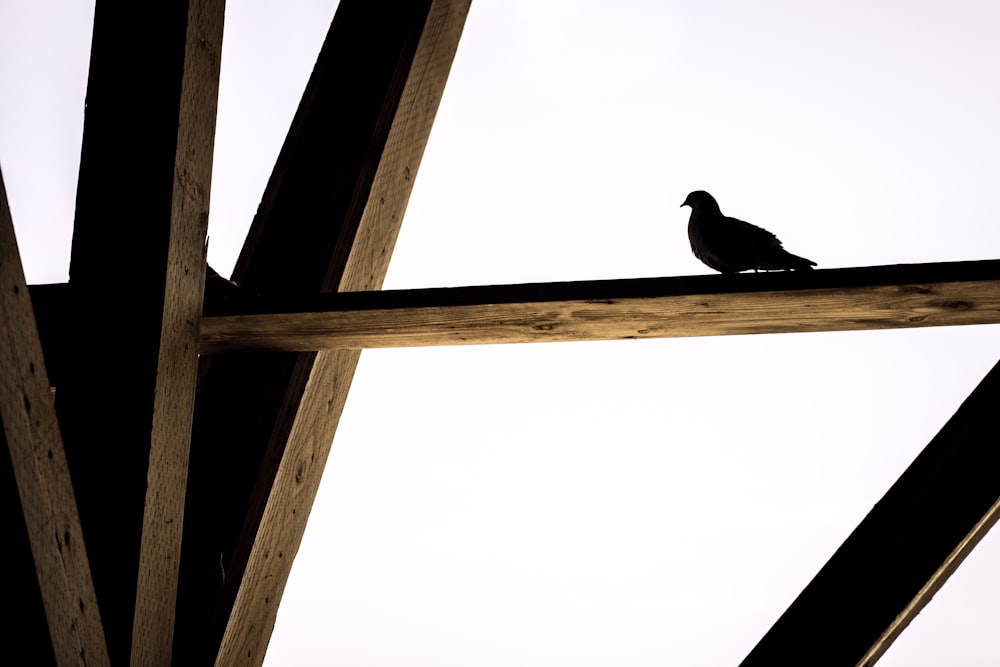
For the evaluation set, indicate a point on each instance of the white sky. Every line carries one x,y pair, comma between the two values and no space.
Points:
638,502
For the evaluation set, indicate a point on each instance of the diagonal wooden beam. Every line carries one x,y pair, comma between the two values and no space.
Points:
138,241
41,471
883,297
289,497
903,551
328,221
177,365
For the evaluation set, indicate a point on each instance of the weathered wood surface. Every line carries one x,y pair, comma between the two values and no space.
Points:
903,551
38,459
328,221
177,365
145,110
899,296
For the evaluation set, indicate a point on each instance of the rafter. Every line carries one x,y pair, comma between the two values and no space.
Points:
290,496
328,221
903,551
38,458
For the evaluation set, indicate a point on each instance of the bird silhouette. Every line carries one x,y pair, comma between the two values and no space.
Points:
729,245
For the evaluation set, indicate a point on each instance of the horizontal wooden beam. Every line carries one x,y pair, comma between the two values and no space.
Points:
904,550
882,297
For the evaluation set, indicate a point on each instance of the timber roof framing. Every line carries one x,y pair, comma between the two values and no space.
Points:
201,583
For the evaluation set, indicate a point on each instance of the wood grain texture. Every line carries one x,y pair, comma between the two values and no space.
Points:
41,470
904,549
291,493
902,296
177,366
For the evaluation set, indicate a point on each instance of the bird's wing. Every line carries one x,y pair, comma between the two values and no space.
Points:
763,249
748,235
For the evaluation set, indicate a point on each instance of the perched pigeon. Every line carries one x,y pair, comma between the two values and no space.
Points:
729,245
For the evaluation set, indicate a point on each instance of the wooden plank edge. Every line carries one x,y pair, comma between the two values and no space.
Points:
933,585
237,302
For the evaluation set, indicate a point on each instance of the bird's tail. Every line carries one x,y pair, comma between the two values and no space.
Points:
783,260
800,263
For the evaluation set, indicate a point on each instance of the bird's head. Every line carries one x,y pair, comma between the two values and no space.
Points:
699,199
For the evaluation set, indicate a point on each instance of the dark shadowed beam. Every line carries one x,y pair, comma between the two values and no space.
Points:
903,551
328,221
41,472
138,243
883,297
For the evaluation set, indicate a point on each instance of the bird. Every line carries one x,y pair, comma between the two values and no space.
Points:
730,246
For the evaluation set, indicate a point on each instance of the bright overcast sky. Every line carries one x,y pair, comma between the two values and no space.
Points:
656,502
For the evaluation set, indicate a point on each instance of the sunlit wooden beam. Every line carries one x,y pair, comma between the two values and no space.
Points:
884,297
41,471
